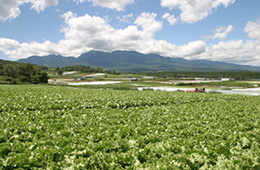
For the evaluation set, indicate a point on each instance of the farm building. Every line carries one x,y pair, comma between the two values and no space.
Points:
133,80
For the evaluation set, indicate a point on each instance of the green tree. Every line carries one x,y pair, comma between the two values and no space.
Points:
59,72
43,77
26,73
1,69
10,70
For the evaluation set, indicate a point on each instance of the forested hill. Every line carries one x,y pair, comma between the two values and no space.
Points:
131,61
15,72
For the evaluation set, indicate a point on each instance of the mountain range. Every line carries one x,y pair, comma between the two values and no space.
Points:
132,61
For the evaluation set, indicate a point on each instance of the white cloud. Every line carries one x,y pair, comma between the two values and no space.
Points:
8,43
87,32
9,9
222,32
125,18
118,5
14,49
236,51
233,51
192,48
40,5
253,29
148,23
79,1
170,18
195,10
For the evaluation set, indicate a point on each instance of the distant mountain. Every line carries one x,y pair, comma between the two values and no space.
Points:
13,63
50,60
132,61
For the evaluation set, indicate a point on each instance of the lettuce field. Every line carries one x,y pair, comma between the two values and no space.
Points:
55,127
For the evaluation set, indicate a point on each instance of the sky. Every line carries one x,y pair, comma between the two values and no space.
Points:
217,30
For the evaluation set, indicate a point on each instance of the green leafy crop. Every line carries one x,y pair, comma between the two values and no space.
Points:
52,127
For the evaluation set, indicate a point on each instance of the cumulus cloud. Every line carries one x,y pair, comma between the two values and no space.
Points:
170,18
148,23
253,29
118,5
40,5
6,43
16,50
195,10
222,32
9,9
192,48
85,33
234,51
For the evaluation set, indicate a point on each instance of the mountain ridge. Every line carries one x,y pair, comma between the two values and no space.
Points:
132,61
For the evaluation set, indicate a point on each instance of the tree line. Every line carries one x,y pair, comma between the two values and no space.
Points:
16,73
240,75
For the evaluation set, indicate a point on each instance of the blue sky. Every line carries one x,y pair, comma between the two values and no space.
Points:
219,30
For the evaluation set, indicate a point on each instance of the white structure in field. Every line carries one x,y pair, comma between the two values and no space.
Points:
225,79
69,72
96,75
